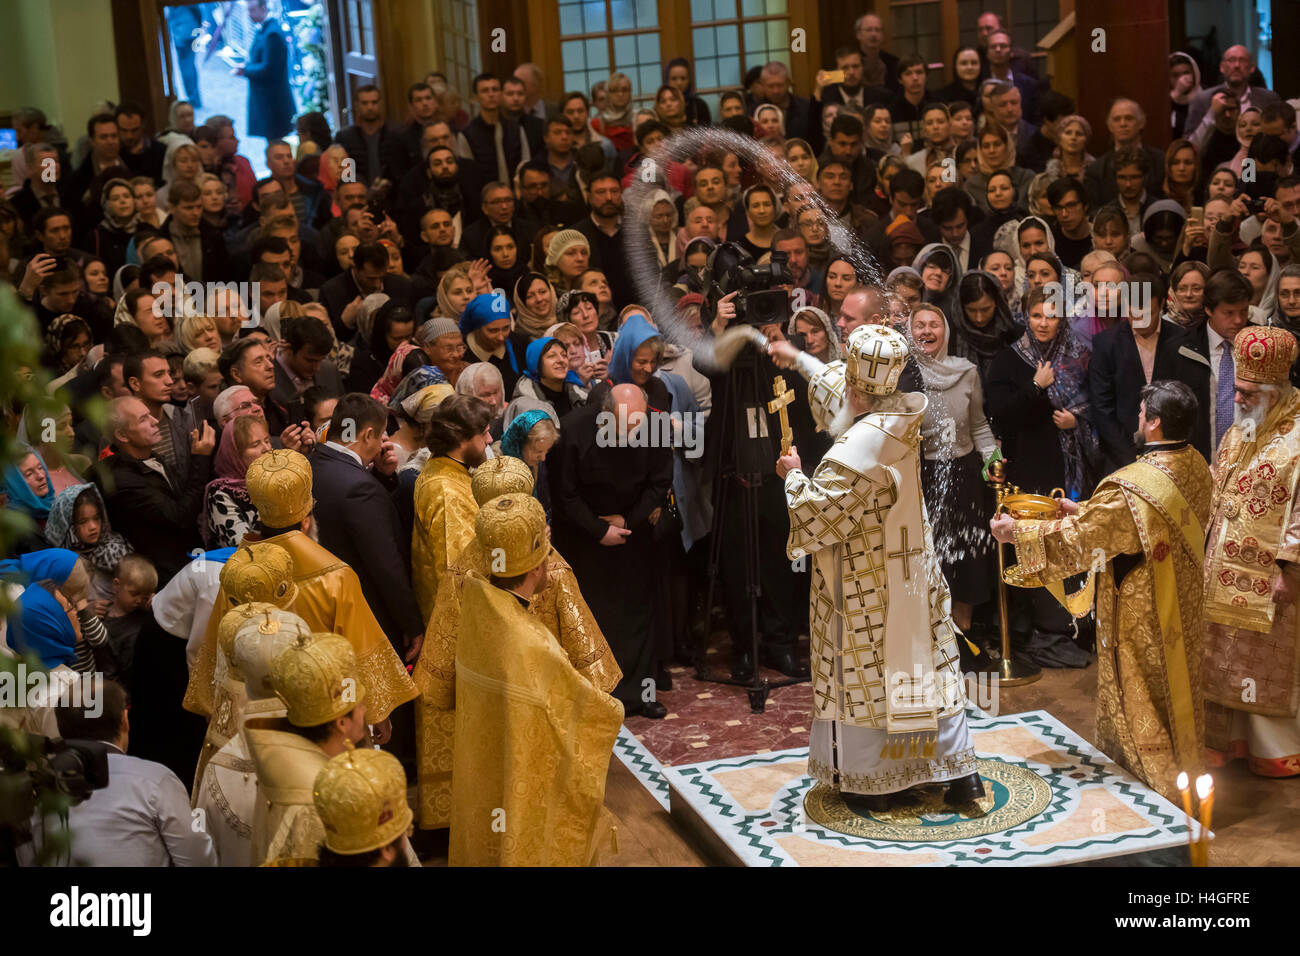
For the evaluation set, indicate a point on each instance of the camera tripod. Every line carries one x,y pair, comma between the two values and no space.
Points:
751,452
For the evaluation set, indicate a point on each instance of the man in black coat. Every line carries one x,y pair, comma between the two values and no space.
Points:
270,100
799,119
141,153
1125,121
380,149
200,245
357,519
1116,376
497,201
342,294
485,159
1226,303
604,231
160,521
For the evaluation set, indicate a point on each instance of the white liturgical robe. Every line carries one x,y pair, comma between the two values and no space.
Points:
888,702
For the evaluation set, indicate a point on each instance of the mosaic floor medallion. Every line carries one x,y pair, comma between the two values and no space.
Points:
1012,795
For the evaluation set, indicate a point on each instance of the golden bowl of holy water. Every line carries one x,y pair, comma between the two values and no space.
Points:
1029,507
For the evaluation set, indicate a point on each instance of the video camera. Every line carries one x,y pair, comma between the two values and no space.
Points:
32,765
762,300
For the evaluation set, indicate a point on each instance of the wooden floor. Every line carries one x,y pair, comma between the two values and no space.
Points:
1255,818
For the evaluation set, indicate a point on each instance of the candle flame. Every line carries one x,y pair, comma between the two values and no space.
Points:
1204,786
1182,780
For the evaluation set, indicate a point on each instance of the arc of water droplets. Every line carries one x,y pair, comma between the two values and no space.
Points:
645,270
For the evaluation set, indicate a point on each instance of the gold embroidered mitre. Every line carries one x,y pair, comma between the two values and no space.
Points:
261,572
360,797
874,359
255,646
512,531
503,475
279,484
1264,354
316,677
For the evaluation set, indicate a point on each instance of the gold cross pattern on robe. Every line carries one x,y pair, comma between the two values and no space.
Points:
782,397
905,555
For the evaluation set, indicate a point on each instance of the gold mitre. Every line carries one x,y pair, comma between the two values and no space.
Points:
503,475
360,796
874,356
236,618
279,484
316,677
258,641
260,571
512,532
1264,354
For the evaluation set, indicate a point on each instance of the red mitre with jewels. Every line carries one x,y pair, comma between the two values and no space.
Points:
1264,354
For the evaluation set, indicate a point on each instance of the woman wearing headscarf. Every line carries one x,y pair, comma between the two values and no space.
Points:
670,108
407,359
1162,226
53,618
483,381
110,238
79,522
413,411
28,487
581,309
63,467
957,444
455,290
661,217
228,511
982,325
1184,85
534,301
678,74
485,324
182,162
548,379
67,341
392,326
532,429
940,273
1038,399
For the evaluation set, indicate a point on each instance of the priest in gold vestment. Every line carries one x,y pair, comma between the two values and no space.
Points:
533,736
888,702
560,607
1252,571
1141,534
255,577
458,440
329,595
325,705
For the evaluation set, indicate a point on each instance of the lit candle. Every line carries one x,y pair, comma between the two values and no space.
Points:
1184,788
1205,795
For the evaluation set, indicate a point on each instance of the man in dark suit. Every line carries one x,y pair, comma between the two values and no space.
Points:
141,153
1236,66
1117,373
357,519
342,294
852,91
498,205
1226,302
879,66
160,521
270,101
381,150
303,363
774,82
200,245
514,94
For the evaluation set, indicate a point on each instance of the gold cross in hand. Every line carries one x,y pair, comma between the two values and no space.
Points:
782,397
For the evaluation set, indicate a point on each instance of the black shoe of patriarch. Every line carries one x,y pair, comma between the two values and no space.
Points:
964,790
787,662
868,802
654,710
742,667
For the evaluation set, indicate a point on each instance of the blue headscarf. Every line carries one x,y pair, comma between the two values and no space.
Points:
21,496
38,623
516,436
636,331
485,309
533,358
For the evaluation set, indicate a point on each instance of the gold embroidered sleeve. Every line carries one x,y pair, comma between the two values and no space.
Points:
435,673
565,613
1102,529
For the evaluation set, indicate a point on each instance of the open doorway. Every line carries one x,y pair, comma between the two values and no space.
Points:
208,45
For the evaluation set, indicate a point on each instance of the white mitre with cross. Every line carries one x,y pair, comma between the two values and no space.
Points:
875,356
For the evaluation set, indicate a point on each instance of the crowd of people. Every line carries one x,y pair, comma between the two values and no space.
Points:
445,289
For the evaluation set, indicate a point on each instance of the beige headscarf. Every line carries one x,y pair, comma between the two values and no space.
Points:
533,324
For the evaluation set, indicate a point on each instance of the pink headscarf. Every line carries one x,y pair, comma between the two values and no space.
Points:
392,377
229,463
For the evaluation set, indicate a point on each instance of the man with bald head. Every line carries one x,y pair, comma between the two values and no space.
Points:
608,490
1236,66
1125,121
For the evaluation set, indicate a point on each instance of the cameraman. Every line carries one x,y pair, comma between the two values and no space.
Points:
142,818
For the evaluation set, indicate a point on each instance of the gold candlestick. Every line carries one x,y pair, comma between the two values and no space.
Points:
1011,673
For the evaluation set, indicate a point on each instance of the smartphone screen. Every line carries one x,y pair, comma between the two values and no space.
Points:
8,138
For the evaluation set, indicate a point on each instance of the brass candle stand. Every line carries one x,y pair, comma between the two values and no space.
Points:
1012,673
